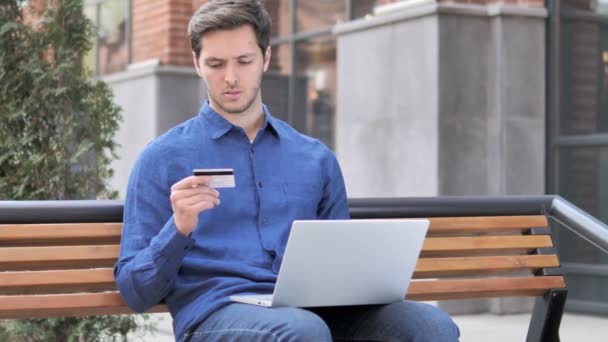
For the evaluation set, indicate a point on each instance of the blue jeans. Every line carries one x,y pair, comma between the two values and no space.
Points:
402,321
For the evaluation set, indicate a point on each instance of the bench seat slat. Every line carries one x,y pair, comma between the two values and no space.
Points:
484,244
75,304
485,223
83,304
483,287
38,258
436,267
62,233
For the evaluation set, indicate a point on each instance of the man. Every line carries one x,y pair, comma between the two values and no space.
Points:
193,246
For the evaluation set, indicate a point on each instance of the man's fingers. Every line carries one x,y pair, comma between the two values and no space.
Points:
194,200
204,205
190,192
189,197
191,181
192,206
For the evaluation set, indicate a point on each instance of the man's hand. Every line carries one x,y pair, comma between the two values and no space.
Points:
189,197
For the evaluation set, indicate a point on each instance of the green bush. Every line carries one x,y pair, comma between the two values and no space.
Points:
56,136
57,124
88,329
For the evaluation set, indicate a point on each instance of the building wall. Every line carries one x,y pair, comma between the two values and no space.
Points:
424,105
159,31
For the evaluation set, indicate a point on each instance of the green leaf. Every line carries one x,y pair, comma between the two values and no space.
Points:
45,139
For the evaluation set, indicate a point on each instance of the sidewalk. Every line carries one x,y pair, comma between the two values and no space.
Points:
474,328
512,328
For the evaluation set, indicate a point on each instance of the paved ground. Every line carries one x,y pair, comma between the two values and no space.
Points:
474,328
509,328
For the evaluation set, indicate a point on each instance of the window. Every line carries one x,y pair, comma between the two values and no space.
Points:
577,136
578,114
300,86
316,68
602,7
111,47
318,14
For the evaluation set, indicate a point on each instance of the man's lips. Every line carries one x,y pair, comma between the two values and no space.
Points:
232,94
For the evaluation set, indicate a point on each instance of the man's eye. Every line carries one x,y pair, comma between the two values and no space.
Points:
214,66
245,62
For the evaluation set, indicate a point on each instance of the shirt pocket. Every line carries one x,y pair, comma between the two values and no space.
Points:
303,199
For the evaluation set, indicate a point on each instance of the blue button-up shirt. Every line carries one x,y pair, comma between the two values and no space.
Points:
238,246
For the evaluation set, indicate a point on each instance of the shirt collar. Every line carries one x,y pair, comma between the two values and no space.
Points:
219,126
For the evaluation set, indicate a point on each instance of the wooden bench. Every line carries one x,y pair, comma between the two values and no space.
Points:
56,259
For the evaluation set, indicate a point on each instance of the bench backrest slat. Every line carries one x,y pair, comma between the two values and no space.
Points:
485,224
39,258
58,281
476,244
444,267
59,234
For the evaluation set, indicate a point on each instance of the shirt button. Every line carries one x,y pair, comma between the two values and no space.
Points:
265,221
260,184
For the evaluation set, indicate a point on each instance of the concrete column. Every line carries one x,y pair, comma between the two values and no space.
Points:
443,99
387,106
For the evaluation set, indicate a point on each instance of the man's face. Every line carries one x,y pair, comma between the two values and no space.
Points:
232,64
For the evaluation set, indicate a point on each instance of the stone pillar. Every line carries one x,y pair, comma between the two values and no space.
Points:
444,99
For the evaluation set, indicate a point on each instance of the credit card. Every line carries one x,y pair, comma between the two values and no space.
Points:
220,178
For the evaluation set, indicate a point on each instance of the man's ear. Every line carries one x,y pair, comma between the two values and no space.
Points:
196,64
267,58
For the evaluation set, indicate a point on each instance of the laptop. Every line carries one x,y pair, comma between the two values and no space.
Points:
345,262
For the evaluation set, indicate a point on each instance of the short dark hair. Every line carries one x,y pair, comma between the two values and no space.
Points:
226,15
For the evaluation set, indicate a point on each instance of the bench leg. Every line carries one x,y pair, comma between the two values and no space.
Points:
547,316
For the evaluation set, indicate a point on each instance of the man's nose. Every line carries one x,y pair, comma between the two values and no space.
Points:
230,77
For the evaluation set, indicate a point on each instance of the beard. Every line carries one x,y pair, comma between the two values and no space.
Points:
248,102
240,109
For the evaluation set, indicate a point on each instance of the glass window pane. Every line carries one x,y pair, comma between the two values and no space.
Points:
584,86
583,180
585,5
112,36
275,84
281,19
602,7
361,8
315,97
318,14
